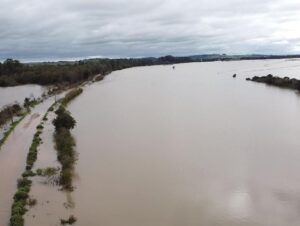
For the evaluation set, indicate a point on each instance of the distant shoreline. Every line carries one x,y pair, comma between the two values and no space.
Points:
69,73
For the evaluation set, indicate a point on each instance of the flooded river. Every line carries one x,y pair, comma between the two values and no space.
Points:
190,146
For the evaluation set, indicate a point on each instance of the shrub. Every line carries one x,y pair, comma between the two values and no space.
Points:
40,126
16,220
32,202
63,119
28,173
49,171
24,182
71,220
71,95
21,194
18,208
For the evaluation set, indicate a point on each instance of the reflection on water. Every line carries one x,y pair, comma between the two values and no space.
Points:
190,146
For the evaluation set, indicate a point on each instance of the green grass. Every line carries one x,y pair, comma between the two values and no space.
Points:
71,95
18,208
64,141
11,129
21,197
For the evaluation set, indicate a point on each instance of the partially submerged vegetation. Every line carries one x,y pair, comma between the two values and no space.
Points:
11,128
9,112
65,143
18,208
285,82
70,220
15,113
66,155
71,95
21,198
47,172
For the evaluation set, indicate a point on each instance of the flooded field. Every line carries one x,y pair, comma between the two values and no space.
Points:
10,95
13,157
190,146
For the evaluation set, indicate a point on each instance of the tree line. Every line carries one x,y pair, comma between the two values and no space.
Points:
13,72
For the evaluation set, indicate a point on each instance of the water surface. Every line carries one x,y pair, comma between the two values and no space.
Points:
9,95
190,146
13,155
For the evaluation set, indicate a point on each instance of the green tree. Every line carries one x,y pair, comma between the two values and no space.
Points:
63,119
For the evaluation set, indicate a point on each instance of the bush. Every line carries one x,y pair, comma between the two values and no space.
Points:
24,183
49,171
18,208
63,119
40,126
71,95
7,113
21,194
39,172
16,220
32,202
28,173
71,220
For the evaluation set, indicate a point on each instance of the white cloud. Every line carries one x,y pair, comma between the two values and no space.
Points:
77,28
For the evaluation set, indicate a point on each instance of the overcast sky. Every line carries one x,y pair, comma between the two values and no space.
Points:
69,29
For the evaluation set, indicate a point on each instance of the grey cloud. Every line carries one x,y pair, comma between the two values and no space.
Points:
56,29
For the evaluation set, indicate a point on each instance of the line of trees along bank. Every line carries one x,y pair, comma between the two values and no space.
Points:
64,141
13,73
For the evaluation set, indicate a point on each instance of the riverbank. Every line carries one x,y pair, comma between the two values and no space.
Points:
285,82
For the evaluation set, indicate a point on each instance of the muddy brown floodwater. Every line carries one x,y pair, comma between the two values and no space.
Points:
191,146
13,157
9,95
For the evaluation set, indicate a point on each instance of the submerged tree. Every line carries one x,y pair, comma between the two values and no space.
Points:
63,119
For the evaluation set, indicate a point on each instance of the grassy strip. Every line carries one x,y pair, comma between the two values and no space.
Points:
66,156
21,200
21,197
71,95
64,141
12,127
14,124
